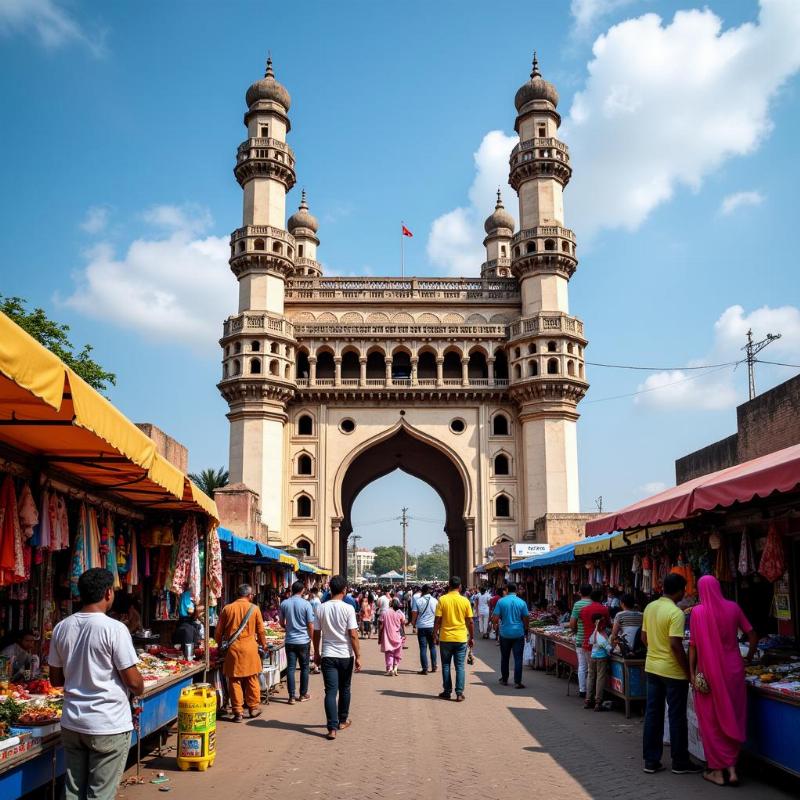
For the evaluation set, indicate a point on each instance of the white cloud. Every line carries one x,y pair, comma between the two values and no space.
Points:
455,240
740,199
175,286
53,26
717,389
664,105
96,218
653,487
587,13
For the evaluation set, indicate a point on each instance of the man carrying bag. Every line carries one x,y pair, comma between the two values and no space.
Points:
240,631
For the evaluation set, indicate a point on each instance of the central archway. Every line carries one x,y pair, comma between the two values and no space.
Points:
409,450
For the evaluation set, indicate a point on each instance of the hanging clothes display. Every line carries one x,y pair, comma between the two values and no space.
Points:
187,563
80,550
746,558
773,560
214,567
12,559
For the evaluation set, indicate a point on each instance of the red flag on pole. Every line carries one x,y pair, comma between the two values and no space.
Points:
407,232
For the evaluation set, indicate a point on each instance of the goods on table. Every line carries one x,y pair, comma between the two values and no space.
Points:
274,633
41,686
781,678
154,669
16,691
39,716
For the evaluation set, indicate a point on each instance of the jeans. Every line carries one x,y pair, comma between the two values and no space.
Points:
507,645
337,674
95,764
456,651
676,694
293,653
596,682
425,638
583,668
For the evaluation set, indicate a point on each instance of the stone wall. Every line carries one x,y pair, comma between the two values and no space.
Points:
768,422
559,529
166,446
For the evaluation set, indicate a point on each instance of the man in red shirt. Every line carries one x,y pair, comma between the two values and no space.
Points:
588,615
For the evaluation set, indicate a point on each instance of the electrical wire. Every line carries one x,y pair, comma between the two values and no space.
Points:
777,363
657,388
665,369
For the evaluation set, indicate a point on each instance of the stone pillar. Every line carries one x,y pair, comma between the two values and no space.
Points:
312,371
337,374
440,371
490,363
388,362
414,362
470,523
465,371
362,376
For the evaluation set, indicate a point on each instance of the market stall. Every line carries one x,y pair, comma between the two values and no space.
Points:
82,487
742,525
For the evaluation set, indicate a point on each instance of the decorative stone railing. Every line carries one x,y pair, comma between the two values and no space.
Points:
545,323
260,148
257,323
369,289
547,142
312,330
402,383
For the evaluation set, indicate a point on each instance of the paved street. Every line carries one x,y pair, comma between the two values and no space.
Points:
405,742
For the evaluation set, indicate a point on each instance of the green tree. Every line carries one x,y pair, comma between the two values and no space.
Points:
434,564
55,337
388,559
210,479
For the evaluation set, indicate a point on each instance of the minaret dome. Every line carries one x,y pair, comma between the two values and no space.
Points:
537,88
499,218
269,90
302,218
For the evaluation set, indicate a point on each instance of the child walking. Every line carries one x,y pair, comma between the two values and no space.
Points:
392,636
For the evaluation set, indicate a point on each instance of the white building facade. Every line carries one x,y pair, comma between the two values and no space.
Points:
471,384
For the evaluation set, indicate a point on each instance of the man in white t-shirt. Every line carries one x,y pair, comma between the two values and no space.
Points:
93,658
483,612
423,617
336,630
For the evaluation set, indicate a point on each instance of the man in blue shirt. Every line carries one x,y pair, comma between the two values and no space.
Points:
512,613
297,619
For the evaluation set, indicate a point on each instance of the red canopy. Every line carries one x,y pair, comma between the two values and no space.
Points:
775,472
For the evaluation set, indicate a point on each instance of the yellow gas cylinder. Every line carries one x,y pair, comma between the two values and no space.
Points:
197,727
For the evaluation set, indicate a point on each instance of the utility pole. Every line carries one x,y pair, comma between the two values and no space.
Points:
599,503
355,537
404,523
752,349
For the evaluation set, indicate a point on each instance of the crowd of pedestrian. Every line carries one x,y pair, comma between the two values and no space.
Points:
92,656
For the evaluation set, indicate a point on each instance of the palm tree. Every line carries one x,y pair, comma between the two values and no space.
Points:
210,479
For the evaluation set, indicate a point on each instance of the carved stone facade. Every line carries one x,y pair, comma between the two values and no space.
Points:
471,384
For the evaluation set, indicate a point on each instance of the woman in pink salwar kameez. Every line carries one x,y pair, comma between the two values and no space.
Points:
714,652
392,635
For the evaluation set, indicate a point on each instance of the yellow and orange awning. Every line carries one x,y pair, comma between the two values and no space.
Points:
51,415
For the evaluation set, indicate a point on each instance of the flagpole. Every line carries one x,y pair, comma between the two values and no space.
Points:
402,252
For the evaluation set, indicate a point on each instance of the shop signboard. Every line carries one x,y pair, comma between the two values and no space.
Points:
528,549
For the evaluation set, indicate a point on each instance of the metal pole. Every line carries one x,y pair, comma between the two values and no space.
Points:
402,252
404,523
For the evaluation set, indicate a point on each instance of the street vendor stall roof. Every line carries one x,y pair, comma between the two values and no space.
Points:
492,565
250,547
568,552
760,477
51,415
313,569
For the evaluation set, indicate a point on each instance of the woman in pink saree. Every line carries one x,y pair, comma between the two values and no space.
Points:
393,633
714,652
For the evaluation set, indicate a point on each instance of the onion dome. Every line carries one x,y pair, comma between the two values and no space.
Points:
268,89
500,218
303,218
537,88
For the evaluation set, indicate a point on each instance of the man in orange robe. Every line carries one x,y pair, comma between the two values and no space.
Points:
242,662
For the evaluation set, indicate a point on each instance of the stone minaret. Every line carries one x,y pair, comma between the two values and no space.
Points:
499,227
258,344
546,345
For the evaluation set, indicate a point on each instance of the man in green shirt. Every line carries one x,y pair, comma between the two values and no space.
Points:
667,675
576,624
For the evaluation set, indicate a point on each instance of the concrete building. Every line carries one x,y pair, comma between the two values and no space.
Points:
360,561
768,422
471,384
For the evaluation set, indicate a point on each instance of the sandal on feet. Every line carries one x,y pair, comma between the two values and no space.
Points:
460,698
707,777
598,707
343,726
331,736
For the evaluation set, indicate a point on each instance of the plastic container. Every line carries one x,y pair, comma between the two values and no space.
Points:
197,727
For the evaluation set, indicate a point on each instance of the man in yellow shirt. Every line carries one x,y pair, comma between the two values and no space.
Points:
453,631
667,673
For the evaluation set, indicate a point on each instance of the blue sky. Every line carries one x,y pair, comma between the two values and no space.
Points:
121,124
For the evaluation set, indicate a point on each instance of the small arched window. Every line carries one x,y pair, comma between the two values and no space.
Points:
549,244
240,246
304,506
552,347
305,546
580,370
304,464
502,250
517,352
287,372
274,347
533,368
570,368
552,366
516,251
517,371
258,244
224,370
565,246
531,348
501,464
500,425
237,347
305,425
277,247
502,506
570,348
530,247
300,250
237,367
275,368
255,366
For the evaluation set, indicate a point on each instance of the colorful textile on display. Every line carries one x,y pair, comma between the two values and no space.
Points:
773,560
214,567
12,560
746,559
187,563
80,550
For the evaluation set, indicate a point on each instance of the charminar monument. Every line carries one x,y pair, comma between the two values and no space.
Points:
470,384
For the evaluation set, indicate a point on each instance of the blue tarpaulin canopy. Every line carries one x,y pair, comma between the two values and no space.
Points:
561,555
249,547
